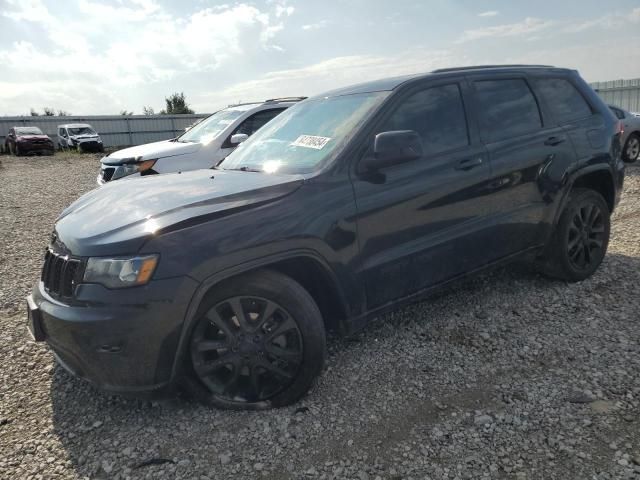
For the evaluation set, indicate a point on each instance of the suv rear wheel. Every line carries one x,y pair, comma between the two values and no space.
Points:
258,342
581,237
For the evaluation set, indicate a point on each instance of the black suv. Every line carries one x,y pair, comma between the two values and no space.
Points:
343,207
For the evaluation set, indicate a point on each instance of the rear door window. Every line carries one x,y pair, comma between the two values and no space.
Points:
507,108
437,114
563,99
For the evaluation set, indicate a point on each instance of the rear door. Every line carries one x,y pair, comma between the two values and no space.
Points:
524,146
423,222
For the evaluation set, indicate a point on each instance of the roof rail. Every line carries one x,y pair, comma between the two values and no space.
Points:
476,67
285,99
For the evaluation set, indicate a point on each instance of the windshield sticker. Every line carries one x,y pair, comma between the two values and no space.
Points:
311,141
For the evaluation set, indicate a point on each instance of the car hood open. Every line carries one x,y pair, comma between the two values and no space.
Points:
151,151
120,216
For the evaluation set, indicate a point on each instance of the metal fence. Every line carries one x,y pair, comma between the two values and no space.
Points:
621,93
115,130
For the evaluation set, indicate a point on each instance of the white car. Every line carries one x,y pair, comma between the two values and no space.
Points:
203,146
79,136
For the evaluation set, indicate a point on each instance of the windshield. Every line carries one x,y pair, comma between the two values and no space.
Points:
305,136
81,131
28,131
210,127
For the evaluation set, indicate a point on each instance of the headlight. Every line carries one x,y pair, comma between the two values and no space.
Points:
130,168
120,272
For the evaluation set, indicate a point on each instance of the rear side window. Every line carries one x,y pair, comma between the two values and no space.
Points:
437,115
507,108
564,100
258,120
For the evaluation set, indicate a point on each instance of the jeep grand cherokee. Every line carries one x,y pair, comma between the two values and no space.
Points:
344,206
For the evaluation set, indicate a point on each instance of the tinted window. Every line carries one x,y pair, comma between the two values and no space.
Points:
254,122
507,108
437,115
565,102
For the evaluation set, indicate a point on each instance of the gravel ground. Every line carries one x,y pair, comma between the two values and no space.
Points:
508,376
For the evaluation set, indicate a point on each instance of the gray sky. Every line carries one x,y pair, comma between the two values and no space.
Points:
99,56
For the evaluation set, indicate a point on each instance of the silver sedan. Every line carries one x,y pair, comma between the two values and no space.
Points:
631,136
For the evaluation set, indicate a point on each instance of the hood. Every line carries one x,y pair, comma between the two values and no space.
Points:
150,151
84,137
34,137
119,217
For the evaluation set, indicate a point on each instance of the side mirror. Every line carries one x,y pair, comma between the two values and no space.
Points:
238,138
393,148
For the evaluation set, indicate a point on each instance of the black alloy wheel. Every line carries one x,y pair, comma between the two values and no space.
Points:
249,350
585,239
257,341
581,237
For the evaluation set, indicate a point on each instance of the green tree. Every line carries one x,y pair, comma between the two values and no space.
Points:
34,113
63,113
148,111
49,112
176,105
125,113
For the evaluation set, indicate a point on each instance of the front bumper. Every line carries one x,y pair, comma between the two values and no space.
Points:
36,148
123,340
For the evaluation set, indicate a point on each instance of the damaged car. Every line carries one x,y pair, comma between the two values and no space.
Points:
79,136
28,141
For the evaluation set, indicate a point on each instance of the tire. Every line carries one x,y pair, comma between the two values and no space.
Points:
581,237
631,150
272,361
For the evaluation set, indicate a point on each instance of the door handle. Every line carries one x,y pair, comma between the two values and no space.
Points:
469,163
553,141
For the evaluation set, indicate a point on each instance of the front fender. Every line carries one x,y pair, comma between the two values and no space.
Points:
248,266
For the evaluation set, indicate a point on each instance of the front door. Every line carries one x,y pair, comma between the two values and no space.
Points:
424,221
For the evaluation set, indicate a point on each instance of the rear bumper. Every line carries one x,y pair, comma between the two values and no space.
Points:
123,341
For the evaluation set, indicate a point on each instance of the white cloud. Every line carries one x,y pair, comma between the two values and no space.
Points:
144,44
332,73
489,13
527,26
612,20
315,26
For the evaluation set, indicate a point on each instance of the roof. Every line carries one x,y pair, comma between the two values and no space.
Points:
387,84
74,125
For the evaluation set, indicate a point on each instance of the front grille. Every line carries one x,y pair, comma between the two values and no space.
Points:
107,173
60,274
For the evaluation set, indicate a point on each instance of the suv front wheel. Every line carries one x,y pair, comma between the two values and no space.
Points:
581,238
258,341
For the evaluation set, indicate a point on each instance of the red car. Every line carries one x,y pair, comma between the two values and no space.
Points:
28,141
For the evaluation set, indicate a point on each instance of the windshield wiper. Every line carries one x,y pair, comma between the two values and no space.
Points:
244,169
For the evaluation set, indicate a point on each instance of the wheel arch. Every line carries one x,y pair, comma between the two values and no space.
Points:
306,267
599,179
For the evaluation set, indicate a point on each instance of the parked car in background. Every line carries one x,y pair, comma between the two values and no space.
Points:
631,136
79,136
202,146
344,207
28,141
